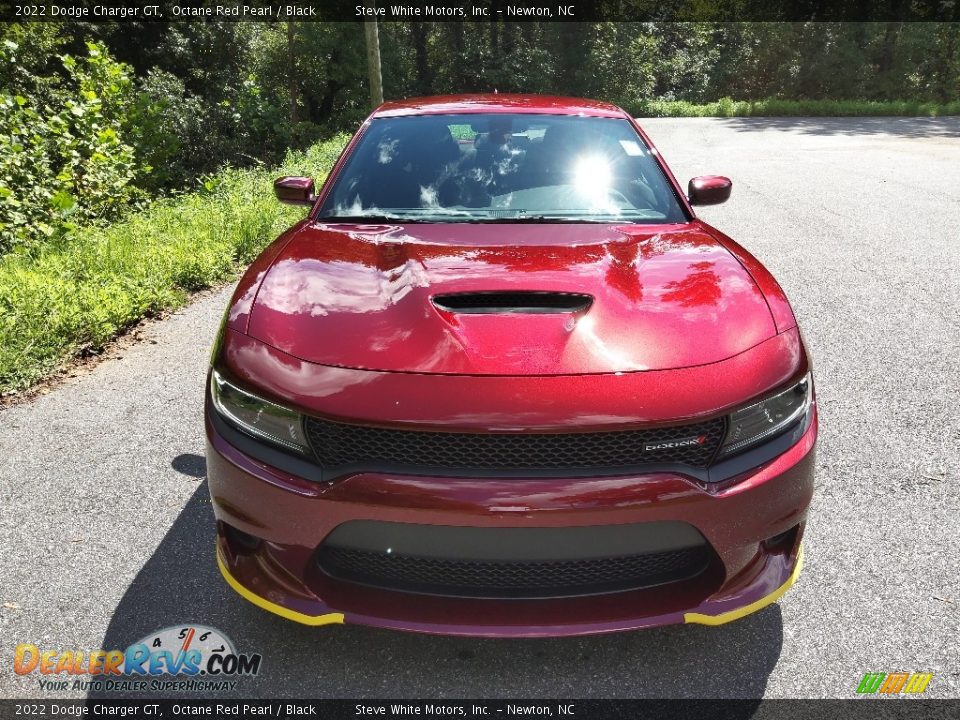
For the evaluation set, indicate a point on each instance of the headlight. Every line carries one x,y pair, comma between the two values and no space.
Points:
256,416
763,420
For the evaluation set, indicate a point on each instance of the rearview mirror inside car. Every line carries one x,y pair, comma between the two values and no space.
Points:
294,190
709,190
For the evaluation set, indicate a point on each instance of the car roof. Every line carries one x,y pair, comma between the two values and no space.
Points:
497,103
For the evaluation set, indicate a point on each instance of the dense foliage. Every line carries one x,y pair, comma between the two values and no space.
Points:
63,156
75,294
695,62
96,118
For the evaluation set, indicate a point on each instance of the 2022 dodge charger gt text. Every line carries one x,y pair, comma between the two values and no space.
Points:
502,381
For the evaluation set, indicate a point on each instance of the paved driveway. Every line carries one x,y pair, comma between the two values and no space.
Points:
107,532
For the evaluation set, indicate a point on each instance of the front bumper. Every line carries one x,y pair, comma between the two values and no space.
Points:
754,526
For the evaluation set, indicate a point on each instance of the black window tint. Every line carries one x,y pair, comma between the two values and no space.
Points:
503,167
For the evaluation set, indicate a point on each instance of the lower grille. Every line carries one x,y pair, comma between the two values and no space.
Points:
504,579
343,447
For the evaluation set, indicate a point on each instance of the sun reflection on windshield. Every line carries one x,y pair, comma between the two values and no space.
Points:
592,174
501,167
593,180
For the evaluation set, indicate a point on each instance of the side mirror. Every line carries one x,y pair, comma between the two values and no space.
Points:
709,190
294,190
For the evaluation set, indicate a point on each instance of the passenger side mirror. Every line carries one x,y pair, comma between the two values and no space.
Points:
709,190
294,190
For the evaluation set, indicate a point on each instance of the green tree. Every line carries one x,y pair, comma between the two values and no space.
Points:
63,155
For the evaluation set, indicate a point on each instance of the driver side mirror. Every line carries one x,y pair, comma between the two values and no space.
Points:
294,190
709,190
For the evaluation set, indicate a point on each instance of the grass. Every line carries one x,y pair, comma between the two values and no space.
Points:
726,107
76,295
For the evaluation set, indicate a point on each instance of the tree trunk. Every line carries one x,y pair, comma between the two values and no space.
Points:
325,109
424,76
459,74
293,87
373,61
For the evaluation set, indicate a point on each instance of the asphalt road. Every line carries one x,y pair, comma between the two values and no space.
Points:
107,531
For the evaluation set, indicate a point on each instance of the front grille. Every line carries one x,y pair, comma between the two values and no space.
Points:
342,447
505,579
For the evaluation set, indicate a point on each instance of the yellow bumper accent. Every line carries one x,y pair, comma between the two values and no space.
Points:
315,620
732,615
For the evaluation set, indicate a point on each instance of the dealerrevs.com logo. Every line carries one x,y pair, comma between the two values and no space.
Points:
177,658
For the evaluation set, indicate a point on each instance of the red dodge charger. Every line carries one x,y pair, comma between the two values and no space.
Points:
502,381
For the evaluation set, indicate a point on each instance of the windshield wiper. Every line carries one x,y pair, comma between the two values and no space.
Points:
453,219
368,219
520,219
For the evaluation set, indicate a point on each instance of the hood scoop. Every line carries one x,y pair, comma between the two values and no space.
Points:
513,302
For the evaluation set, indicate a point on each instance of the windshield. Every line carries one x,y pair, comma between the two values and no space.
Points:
502,168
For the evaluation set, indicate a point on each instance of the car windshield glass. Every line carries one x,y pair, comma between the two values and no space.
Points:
501,168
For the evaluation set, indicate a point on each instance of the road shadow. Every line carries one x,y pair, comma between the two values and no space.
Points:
180,584
905,127
190,464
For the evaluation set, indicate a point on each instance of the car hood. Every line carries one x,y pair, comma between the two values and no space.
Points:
363,296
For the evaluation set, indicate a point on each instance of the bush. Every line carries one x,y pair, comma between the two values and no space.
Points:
78,292
727,107
182,135
64,160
